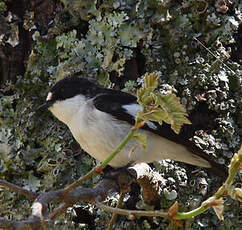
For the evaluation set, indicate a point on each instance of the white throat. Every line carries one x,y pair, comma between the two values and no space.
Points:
66,109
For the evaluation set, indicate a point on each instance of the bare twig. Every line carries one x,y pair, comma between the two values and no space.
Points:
217,58
40,218
115,215
18,189
127,212
33,224
59,211
89,175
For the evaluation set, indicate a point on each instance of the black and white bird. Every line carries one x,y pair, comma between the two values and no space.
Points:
100,118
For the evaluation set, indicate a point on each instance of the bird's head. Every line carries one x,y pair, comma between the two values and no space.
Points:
67,95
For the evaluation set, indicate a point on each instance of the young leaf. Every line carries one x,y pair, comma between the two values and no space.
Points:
158,107
140,94
216,204
173,210
219,208
141,139
176,113
157,115
235,193
144,93
143,97
238,194
151,81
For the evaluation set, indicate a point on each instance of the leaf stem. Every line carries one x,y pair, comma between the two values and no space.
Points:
191,214
234,167
119,148
95,170
115,215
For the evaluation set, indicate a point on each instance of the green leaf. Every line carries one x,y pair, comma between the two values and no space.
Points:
175,111
144,94
141,94
142,139
158,107
157,115
151,80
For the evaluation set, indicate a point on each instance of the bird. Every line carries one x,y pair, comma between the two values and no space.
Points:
100,118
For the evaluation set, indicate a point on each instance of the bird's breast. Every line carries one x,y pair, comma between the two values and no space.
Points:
99,134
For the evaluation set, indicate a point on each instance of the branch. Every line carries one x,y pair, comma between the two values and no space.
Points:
41,218
18,189
76,183
120,147
115,215
32,224
128,212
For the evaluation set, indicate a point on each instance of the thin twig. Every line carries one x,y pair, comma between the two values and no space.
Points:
127,212
119,148
76,183
234,168
33,223
58,211
217,58
18,189
115,215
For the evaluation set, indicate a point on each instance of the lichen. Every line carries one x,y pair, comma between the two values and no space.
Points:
99,40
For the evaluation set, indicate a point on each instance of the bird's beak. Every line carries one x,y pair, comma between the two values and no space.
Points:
44,106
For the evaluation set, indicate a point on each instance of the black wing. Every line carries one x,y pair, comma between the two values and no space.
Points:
112,102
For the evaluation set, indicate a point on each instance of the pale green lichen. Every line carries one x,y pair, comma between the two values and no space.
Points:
94,38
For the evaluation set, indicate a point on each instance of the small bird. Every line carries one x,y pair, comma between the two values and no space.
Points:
100,118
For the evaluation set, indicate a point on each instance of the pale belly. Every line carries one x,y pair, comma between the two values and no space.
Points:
100,141
100,137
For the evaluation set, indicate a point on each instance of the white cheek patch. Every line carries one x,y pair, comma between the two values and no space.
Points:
132,109
49,96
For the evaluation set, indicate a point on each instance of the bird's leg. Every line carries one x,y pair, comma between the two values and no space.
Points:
121,176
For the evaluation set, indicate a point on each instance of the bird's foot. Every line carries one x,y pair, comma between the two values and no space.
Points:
120,176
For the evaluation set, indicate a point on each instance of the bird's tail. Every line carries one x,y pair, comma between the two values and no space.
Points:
219,169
